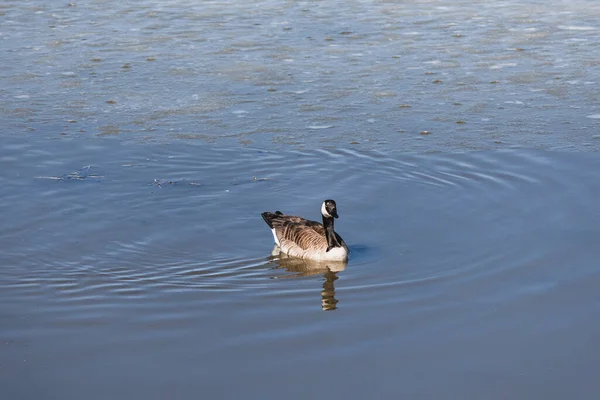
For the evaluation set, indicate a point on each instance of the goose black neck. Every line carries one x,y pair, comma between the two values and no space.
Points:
330,233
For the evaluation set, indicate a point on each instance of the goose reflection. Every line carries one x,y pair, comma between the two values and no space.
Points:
302,268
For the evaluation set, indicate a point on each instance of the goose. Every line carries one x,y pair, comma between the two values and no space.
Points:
299,237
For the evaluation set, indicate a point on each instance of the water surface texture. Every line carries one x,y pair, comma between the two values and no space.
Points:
149,271
474,74
140,141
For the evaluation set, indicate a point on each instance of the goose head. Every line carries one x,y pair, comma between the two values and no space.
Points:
329,209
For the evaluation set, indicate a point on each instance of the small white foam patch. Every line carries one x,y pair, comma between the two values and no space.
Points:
324,211
275,237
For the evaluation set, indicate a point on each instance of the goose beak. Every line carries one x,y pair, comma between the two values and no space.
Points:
334,214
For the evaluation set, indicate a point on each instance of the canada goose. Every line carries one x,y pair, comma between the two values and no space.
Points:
299,237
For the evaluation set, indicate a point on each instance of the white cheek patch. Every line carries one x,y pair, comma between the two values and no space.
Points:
324,211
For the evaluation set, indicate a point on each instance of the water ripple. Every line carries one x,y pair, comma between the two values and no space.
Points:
411,220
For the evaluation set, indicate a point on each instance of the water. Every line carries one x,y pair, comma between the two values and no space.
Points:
140,142
477,75
151,270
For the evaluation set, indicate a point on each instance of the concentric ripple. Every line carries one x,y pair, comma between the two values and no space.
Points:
409,219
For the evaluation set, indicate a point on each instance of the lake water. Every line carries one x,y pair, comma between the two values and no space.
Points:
139,144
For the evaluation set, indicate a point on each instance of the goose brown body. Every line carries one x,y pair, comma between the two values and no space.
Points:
302,238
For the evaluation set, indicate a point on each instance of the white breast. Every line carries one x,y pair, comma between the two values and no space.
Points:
335,254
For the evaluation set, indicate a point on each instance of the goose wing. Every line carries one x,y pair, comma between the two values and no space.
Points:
304,233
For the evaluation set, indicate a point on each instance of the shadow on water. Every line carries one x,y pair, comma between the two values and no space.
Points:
303,268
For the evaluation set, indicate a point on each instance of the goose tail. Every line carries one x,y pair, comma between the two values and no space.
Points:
269,217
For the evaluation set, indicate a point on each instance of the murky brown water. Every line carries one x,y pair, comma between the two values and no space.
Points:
139,143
